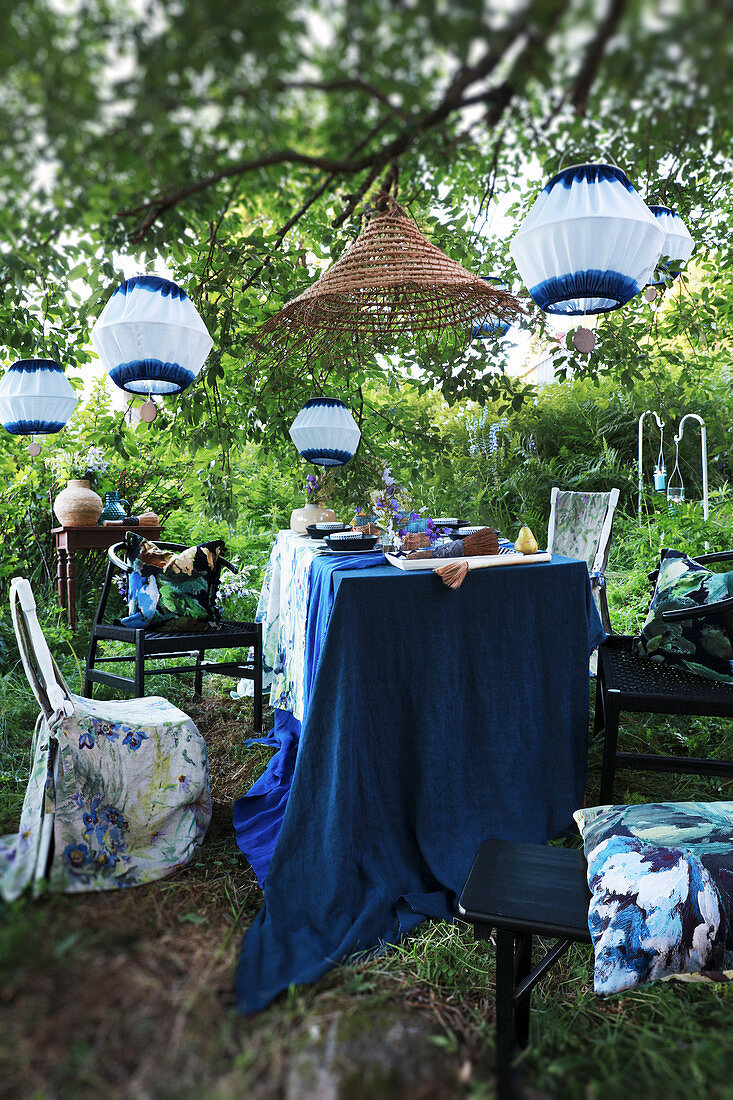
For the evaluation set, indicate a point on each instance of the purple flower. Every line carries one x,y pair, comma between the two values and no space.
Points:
76,856
135,739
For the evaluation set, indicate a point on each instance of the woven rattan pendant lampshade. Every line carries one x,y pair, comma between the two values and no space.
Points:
391,282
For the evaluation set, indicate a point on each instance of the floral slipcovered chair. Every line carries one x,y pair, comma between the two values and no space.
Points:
118,793
580,527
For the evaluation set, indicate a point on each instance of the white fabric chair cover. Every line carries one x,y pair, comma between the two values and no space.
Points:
580,527
118,793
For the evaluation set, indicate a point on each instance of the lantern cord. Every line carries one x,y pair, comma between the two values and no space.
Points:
605,152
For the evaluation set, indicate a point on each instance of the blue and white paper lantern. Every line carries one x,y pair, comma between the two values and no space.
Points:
325,433
589,243
36,398
678,244
494,327
151,337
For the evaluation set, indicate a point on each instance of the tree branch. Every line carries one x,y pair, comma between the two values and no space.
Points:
465,76
585,77
345,84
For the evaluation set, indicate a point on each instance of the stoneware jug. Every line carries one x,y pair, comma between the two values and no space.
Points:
77,505
310,513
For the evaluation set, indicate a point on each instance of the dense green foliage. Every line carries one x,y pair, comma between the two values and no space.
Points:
238,149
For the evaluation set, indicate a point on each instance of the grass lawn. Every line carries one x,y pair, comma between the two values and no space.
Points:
130,993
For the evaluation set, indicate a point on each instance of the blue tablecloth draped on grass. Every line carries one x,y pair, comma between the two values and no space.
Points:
436,718
258,814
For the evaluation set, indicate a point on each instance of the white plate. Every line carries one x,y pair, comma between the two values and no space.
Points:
479,561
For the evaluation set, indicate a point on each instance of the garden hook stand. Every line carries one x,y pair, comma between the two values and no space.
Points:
704,457
659,471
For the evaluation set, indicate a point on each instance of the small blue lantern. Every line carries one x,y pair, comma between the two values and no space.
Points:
151,337
325,433
36,398
494,327
589,243
678,244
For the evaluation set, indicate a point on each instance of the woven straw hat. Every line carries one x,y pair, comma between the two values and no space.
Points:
391,282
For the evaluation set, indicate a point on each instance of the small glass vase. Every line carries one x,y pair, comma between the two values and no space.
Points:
388,540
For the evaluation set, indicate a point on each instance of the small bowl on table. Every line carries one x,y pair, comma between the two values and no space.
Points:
468,529
321,530
347,542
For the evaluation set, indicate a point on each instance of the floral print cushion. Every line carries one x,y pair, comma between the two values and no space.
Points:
701,645
172,591
661,881
118,796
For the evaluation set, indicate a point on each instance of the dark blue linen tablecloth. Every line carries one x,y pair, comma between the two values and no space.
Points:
437,718
258,814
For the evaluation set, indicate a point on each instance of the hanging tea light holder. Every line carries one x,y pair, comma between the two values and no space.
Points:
676,487
660,472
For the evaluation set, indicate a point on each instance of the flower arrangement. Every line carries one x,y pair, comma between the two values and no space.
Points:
81,465
434,533
392,507
318,488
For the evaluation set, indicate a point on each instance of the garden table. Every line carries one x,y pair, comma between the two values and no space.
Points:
412,722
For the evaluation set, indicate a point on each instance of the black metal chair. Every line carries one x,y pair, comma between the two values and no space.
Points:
629,683
162,645
523,890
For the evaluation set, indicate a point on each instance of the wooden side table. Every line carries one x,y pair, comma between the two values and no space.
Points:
70,539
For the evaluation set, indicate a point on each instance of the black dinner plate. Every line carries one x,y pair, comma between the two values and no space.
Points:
363,545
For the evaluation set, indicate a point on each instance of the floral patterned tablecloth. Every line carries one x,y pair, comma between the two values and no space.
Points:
282,610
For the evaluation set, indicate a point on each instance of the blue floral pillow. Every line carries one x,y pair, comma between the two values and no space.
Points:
661,881
700,645
172,591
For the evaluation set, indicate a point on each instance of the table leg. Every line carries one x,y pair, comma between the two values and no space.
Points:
61,576
71,589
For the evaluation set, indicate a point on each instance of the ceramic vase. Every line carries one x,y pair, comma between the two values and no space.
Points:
310,513
77,505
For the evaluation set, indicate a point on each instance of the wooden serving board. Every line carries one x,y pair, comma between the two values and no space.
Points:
480,561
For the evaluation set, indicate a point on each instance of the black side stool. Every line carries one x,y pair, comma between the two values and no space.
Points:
523,890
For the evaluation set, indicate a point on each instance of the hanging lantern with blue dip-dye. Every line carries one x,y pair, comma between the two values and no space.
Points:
151,337
36,398
589,244
325,433
495,326
678,244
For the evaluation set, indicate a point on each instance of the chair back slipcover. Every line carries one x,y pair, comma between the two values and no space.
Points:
118,793
580,527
